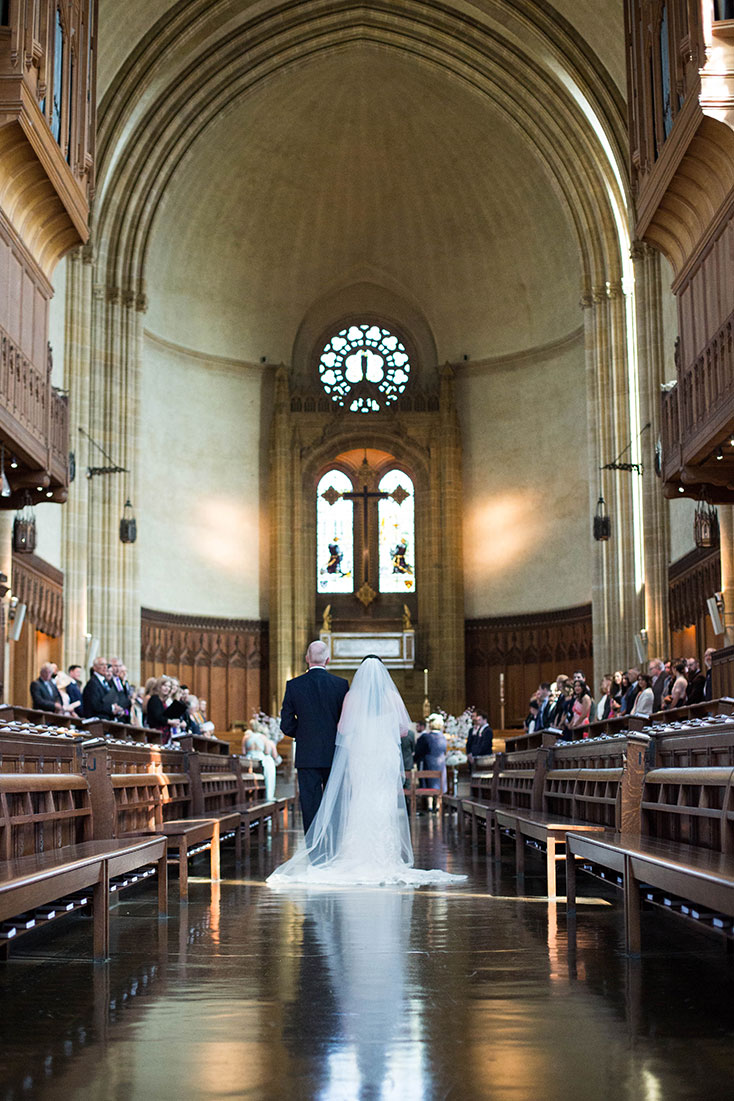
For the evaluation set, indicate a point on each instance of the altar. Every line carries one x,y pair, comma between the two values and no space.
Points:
347,649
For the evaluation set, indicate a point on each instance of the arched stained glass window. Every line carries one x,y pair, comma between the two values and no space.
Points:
364,367
334,534
396,518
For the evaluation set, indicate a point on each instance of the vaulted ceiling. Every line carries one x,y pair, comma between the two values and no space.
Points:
357,164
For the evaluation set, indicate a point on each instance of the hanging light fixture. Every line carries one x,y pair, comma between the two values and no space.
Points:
602,522
24,528
128,524
706,525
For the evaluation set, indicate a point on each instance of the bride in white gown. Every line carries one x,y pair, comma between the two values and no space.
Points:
361,834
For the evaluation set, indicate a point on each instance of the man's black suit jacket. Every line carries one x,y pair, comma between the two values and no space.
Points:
479,742
41,699
97,699
310,713
74,693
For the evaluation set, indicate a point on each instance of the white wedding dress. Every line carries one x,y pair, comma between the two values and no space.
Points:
361,835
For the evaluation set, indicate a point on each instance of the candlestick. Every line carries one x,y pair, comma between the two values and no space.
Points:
425,682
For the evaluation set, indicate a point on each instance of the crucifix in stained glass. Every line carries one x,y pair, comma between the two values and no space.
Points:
366,593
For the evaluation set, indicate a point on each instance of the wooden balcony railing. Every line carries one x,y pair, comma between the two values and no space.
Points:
34,415
698,412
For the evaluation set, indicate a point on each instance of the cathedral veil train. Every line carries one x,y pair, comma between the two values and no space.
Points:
360,835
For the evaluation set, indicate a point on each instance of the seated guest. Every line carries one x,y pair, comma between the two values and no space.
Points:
603,707
74,689
256,746
165,712
147,693
616,690
122,704
696,682
196,720
63,684
479,742
98,696
656,671
531,719
544,705
562,710
708,661
44,693
631,691
677,697
645,698
578,717
430,752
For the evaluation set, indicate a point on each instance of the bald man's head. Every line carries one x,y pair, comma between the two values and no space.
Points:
317,654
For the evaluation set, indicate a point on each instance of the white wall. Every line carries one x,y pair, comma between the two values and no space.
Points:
526,512
199,523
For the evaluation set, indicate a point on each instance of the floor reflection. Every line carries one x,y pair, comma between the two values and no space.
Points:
351,1001
483,991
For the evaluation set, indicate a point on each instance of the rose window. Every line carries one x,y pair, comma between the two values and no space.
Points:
364,367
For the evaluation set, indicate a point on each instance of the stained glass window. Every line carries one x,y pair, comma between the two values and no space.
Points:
334,534
58,78
364,367
396,515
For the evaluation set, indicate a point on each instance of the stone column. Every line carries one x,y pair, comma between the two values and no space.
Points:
450,633
75,531
616,606
282,555
114,423
656,509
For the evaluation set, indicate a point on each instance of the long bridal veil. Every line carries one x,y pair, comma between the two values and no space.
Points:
361,833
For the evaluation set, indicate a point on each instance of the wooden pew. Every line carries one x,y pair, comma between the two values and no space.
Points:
586,786
220,785
134,794
680,852
29,748
51,866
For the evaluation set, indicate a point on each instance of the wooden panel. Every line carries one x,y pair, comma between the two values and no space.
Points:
224,661
528,649
692,579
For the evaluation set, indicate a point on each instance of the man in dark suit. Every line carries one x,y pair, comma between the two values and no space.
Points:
696,682
98,697
44,693
544,706
119,685
310,713
74,689
479,742
628,699
656,669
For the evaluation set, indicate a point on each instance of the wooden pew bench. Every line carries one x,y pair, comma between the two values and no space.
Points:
695,884
133,795
603,795
49,864
680,857
515,780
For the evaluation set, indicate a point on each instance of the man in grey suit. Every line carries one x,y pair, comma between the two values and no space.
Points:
44,693
310,713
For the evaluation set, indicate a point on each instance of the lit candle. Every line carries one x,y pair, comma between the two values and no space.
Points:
425,683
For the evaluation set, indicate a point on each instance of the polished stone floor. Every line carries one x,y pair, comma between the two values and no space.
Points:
463,993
